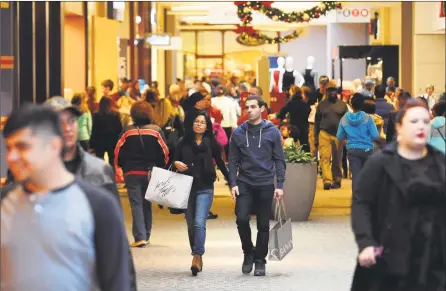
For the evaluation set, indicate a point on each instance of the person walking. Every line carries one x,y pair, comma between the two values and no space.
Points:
194,156
255,157
438,131
359,129
46,199
299,111
227,107
85,122
138,150
106,129
83,164
328,115
383,108
398,216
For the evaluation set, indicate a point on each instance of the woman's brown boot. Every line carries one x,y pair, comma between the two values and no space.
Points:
197,265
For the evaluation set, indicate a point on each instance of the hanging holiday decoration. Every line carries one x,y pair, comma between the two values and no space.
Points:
250,36
245,9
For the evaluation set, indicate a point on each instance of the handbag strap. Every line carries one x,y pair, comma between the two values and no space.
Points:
442,136
140,139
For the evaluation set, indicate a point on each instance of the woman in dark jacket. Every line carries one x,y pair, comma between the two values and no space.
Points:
299,111
194,156
106,129
140,148
398,211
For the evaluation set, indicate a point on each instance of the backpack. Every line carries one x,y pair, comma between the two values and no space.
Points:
220,134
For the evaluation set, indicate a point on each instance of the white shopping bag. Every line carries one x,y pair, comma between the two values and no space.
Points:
169,188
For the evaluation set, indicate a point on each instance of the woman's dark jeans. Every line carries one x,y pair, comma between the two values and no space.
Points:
141,208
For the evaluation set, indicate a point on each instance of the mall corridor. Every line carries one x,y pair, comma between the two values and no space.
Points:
322,260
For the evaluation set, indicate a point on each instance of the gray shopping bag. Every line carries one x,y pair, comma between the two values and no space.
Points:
280,235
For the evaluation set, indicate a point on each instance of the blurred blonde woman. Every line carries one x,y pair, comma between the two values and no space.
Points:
175,96
84,121
170,124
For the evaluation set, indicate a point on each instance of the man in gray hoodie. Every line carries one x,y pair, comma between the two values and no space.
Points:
256,154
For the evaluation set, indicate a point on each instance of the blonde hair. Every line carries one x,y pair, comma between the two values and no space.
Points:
163,112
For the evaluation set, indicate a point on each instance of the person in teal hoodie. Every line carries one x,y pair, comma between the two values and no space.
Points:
84,121
360,130
438,130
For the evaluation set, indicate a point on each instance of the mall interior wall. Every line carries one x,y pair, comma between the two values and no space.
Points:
429,47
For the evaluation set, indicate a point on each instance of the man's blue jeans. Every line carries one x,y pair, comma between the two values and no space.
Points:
197,212
357,159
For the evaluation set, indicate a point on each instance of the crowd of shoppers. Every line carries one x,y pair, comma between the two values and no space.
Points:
198,128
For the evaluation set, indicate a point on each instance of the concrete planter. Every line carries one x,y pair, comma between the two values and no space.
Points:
300,189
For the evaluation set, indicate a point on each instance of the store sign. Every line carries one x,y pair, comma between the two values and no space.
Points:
158,40
353,15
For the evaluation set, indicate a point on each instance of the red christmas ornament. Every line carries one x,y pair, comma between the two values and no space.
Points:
316,15
240,2
267,4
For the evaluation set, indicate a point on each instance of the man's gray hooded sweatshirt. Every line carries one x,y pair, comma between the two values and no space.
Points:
256,153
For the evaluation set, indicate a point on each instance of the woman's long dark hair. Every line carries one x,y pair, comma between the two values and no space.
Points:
189,134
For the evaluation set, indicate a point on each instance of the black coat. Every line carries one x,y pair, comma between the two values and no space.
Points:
299,111
378,217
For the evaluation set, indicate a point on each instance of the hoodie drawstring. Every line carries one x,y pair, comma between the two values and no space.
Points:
260,139
247,140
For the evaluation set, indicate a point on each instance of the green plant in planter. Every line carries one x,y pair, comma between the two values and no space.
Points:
296,155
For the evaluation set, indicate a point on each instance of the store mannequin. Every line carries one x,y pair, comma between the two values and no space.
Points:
275,75
290,76
310,75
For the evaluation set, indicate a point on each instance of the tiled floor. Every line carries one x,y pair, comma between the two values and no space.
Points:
322,260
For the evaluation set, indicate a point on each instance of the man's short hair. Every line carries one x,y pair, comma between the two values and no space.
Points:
259,100
380,91
108,84
439,109
369,106
40,118
357,101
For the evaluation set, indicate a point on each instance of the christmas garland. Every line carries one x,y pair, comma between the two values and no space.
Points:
245,9
250,36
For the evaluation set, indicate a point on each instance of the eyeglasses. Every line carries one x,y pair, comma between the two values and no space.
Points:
200,122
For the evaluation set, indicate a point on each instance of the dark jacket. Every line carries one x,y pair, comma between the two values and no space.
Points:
138,151
391,128
256,156
377,213
199,160
299,111
383,109
106,130
96,172
328,116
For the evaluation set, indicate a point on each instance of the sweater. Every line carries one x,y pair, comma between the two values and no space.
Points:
256,155
359,129
85,125
328,116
